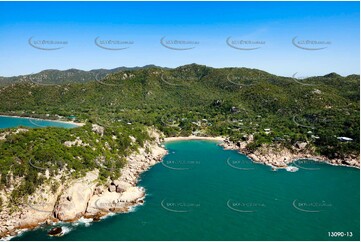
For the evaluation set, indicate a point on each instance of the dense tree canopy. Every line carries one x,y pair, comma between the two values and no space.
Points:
190,99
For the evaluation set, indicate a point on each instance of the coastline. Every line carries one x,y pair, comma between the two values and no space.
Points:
282,158
48,120
269,159
84,198
100,201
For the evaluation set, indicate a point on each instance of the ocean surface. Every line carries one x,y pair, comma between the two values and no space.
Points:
202,192
11,122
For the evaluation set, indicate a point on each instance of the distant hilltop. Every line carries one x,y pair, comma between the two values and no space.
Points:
68,76
54,76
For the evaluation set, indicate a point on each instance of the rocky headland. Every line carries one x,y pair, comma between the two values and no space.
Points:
277,156
82,198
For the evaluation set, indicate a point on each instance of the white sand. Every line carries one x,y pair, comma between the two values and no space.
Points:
193,138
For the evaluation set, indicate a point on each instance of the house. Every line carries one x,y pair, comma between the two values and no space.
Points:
344,139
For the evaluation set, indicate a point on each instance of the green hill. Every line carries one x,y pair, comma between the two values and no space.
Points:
196,99
48,77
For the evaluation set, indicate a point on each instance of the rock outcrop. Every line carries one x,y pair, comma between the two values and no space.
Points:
73,201
121,194
98,129
281,157
76,142
84,197
37,209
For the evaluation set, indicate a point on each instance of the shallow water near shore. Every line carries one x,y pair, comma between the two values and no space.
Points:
11,122
202,192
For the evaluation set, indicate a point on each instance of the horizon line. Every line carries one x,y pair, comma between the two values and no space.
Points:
166,67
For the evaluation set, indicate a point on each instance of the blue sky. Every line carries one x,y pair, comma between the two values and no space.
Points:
335,25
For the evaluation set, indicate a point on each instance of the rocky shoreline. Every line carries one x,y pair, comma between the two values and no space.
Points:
280,157
84,198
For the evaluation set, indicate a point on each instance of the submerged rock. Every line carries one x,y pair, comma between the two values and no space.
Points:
291,168
57,231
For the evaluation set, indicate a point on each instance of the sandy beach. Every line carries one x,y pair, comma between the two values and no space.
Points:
168,139
49,120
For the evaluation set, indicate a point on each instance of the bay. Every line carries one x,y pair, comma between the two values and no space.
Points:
202,192
12,122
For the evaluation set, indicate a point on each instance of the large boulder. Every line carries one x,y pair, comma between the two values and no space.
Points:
301,145
104,203
80,191
98,129
121,185
114,202
112,188
132,194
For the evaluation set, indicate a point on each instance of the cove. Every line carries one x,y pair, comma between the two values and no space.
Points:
13,122
202,192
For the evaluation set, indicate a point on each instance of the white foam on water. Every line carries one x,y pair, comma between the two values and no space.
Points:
108,215
58,223
132,209
65,230
291,168
85,221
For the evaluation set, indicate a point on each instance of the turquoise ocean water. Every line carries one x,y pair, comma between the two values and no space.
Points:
10,122
202,192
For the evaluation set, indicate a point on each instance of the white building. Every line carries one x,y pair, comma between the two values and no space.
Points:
344,138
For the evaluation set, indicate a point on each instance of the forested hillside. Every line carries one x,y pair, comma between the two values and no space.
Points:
191,99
